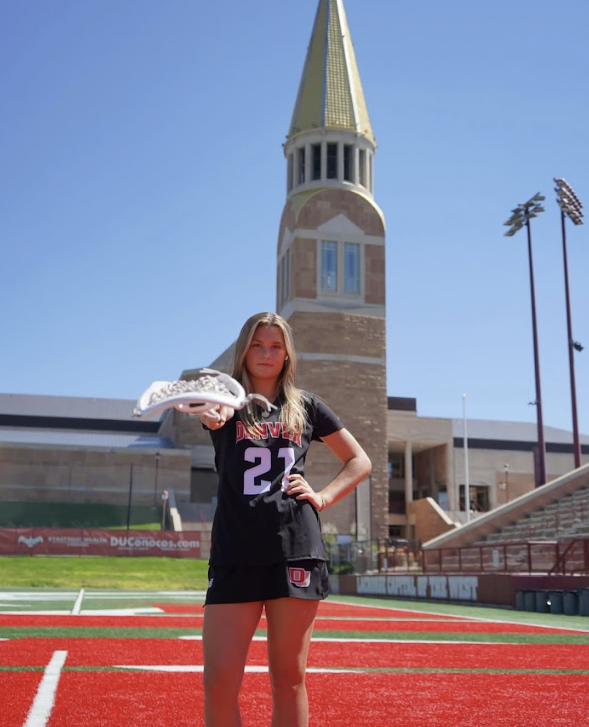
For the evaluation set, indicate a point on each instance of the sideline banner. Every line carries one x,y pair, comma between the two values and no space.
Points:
83,541
443,587
488,588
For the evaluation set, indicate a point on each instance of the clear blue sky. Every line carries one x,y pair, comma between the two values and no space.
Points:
142,181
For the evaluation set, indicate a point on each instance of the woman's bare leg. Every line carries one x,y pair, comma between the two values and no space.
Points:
290,625
227,633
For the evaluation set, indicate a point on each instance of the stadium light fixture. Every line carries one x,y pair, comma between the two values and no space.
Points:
570,206
520,217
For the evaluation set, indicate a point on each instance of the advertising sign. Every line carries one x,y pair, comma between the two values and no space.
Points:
78,541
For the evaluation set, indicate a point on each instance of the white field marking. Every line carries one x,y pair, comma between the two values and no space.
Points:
68,595
198,637
78,604
144,595
461,619
37,596
407,609
26,599
123,612
97,612
566,629
477,619
198,668
57,612
443,642
327,640
392,619
44,699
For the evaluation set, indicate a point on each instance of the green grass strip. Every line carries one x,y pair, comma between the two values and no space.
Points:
25,572
49,632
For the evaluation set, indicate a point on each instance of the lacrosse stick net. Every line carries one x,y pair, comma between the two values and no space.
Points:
201,395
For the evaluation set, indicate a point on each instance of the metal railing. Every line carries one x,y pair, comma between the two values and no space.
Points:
396,555
566,557
546,556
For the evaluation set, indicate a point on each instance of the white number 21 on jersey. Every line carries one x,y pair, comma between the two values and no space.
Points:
262,460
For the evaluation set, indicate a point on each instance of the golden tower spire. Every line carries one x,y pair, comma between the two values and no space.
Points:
330,92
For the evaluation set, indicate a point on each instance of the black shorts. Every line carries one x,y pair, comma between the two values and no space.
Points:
307,579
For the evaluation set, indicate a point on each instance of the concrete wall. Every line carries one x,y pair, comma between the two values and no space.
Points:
428,519
91,475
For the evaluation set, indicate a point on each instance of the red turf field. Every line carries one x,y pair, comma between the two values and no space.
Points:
153,679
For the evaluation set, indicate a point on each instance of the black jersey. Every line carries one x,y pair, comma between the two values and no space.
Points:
256,522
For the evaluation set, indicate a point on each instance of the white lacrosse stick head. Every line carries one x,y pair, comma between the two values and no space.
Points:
196,397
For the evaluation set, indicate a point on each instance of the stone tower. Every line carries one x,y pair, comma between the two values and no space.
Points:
331,263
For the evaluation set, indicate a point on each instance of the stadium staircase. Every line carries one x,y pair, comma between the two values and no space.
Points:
558,509
543,531
194,517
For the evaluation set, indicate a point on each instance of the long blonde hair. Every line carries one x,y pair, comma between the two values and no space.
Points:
292,399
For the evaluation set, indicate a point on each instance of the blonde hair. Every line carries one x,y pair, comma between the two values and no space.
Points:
292,399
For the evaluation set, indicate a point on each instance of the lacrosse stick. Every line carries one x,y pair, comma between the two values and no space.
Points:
196,397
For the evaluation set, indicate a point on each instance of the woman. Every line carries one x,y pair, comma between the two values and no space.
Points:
267,551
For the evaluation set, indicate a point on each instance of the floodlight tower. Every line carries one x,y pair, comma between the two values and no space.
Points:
520,217
570,206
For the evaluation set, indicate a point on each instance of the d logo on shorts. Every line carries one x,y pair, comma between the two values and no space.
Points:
299,577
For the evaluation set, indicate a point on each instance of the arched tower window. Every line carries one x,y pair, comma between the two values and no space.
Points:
284,277
329,282
331,161
302,165
289,173
348,163
316,162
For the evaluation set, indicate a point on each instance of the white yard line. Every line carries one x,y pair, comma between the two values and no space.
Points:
197,669
441,642
144,595
78,604
36,596
96,612
58,612
123,612
363,619
43,704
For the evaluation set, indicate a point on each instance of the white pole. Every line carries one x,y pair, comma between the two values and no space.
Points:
466,475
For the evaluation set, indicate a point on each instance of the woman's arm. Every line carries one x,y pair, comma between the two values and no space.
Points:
356,467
